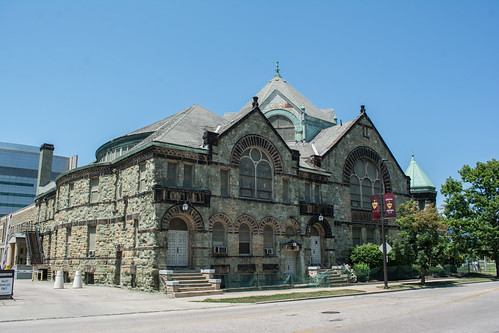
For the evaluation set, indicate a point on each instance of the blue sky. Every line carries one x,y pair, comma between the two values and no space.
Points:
80,73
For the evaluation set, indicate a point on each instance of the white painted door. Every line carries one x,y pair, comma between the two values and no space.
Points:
315,247
178,248
291,262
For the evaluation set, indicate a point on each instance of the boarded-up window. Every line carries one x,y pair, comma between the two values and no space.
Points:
317,194
172,174
91,238
244,240
142,177
135,233
356,236
285,190
71,191
268,237
224,183
68,242
94,190
218,234
370,235
188,176
307,196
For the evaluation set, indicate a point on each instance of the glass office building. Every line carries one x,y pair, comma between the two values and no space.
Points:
19,172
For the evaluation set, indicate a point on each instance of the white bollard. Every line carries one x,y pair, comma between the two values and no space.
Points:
59,283
77,280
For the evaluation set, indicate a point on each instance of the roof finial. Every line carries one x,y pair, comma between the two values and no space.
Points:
277,69
255,102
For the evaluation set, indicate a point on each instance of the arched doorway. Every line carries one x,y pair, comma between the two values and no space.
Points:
178,243
315,245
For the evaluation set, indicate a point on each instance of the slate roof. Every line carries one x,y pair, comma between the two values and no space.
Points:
419,180
295,98
328,137
185,128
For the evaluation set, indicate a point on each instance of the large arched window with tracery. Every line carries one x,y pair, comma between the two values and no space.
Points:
364,182
256,175
284,127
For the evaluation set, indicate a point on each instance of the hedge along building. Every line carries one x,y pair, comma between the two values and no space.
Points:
275,187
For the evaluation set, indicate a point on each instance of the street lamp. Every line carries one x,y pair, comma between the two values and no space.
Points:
382,211
185,206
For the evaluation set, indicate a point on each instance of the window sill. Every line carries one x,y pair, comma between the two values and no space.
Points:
255,199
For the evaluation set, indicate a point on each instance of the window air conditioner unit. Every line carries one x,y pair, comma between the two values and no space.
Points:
91,253
268,251
220,249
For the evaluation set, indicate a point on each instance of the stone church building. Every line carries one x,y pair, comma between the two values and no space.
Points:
274,188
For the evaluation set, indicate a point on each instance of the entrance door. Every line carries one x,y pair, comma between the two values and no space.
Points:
315,247
291,262
178,248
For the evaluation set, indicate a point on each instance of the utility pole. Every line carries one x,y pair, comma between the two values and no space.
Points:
382,211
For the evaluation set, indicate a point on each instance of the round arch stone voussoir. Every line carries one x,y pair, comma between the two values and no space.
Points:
369,153
176,211
256,141
324,224
271,221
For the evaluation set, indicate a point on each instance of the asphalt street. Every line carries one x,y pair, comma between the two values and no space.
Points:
461,308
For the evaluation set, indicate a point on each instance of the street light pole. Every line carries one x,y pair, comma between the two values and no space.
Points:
382,211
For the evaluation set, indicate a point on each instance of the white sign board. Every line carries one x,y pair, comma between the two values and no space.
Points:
388,248
6,283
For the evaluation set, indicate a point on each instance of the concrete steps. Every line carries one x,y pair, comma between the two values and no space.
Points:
191,283
337,277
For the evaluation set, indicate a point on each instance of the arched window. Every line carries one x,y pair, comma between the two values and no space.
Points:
284,127
255,175
268,240
218,234
290,231
364,182
244,240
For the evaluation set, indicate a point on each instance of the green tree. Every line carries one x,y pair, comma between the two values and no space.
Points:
367,253
423,231
472,209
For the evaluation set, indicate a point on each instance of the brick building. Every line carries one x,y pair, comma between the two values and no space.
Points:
273,188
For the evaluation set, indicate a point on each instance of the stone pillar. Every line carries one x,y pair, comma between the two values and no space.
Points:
215,283
172,287
313,271
208,273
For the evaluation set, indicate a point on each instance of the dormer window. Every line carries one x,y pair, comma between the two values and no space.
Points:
284,127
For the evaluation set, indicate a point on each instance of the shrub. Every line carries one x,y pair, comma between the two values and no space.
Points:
368,254
361,269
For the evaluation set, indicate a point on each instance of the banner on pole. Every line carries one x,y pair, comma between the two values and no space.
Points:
390,206
375,207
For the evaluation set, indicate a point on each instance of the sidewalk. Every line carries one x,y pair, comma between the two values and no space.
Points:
38,300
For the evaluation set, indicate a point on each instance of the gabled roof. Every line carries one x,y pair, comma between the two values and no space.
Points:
296,99
328,137
185,128
419,180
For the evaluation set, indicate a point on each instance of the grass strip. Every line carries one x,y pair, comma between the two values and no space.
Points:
434,284
280,297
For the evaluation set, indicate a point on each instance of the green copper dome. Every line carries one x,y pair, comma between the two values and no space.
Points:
419,180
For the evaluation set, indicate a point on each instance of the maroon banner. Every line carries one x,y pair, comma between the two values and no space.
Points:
375,207
390,206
